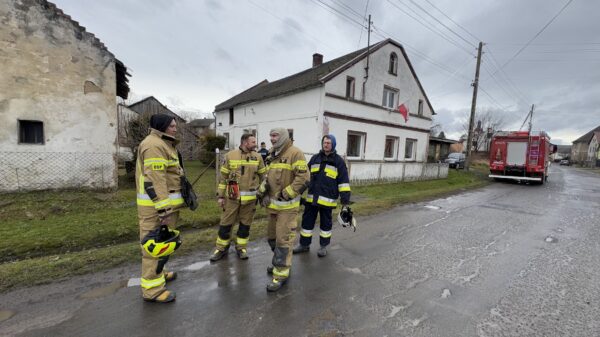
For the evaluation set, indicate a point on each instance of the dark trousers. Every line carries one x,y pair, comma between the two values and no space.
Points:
309,217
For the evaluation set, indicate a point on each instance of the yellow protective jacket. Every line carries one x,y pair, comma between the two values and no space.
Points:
287,171
158,174
247,169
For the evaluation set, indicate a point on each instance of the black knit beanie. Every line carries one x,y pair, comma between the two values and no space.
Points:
161,122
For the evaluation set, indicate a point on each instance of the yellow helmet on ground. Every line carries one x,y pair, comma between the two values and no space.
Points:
161,242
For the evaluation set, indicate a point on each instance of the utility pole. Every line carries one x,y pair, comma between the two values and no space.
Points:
473,105
363,96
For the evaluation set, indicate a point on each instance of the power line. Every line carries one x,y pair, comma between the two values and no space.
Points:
456,23
365,18
537,34
441,23
428,25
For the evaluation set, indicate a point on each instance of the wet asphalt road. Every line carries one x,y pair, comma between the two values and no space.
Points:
505,260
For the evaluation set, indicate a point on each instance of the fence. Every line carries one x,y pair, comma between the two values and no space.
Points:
25,171
373,172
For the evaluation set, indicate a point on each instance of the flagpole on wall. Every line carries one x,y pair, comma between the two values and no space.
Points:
473,105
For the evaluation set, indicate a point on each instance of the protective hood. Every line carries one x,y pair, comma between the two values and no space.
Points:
284,136
333,141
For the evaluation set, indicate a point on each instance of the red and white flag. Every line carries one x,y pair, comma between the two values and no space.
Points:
403,110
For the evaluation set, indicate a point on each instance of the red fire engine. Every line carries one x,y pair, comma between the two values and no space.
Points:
520,155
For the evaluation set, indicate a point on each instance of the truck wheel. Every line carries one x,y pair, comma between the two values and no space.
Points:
543,179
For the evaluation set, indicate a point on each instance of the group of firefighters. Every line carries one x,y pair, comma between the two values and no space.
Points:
276,181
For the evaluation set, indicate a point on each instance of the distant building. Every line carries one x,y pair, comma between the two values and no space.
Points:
202,125
58,89
188,137
579,151
593,157
439,148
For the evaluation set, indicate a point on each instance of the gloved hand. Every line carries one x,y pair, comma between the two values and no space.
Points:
282,196
265,201
164,218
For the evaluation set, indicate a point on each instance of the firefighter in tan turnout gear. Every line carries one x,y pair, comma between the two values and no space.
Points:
241,174
158,185
285,180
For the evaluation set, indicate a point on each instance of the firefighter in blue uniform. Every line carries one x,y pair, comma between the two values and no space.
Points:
328,182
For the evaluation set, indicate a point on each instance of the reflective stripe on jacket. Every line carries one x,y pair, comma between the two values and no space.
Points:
158,173
328,180
246,168
287,171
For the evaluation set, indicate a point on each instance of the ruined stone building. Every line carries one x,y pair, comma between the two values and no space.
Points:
58,111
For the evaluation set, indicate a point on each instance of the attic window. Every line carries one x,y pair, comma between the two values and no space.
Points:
349,87
393,68
230,116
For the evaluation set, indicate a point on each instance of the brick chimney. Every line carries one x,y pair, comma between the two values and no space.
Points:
317,59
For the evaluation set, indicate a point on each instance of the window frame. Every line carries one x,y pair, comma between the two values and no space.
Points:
291,133
350,87
20,129
396,141
363,143
226,135
420,108
413,156
393,64
385,99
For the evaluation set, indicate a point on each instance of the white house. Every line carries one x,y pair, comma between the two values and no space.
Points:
593,155
58,111
356,98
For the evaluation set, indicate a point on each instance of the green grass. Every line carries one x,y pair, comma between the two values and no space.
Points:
55,234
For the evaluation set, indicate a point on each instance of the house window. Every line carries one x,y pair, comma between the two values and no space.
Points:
31,132
350,87
389,97
391,148
410,149
226,135
356,144
230,116
420,107
291,133
393,68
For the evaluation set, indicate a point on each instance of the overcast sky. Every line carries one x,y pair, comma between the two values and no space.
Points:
194,54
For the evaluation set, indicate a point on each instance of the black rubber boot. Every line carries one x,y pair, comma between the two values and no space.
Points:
219,254
300,249
270,270
322,252
275,285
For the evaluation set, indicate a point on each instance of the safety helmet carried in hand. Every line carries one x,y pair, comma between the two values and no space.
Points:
161,242
346,219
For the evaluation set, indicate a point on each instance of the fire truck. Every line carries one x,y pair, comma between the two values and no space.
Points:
520,155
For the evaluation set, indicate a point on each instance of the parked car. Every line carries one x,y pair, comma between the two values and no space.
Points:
455,160
565,162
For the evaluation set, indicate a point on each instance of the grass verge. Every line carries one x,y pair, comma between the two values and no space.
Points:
53,235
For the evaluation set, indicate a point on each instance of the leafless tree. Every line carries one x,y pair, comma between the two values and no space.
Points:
487,121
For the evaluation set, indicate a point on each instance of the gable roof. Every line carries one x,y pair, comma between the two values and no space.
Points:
587,137
132,106
203,122
312,77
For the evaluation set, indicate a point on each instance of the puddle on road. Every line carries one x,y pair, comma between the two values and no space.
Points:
197,266
6,314
551,239
354,270
433,207
104,291
133,282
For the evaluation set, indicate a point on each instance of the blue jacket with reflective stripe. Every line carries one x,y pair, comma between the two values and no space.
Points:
328,178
